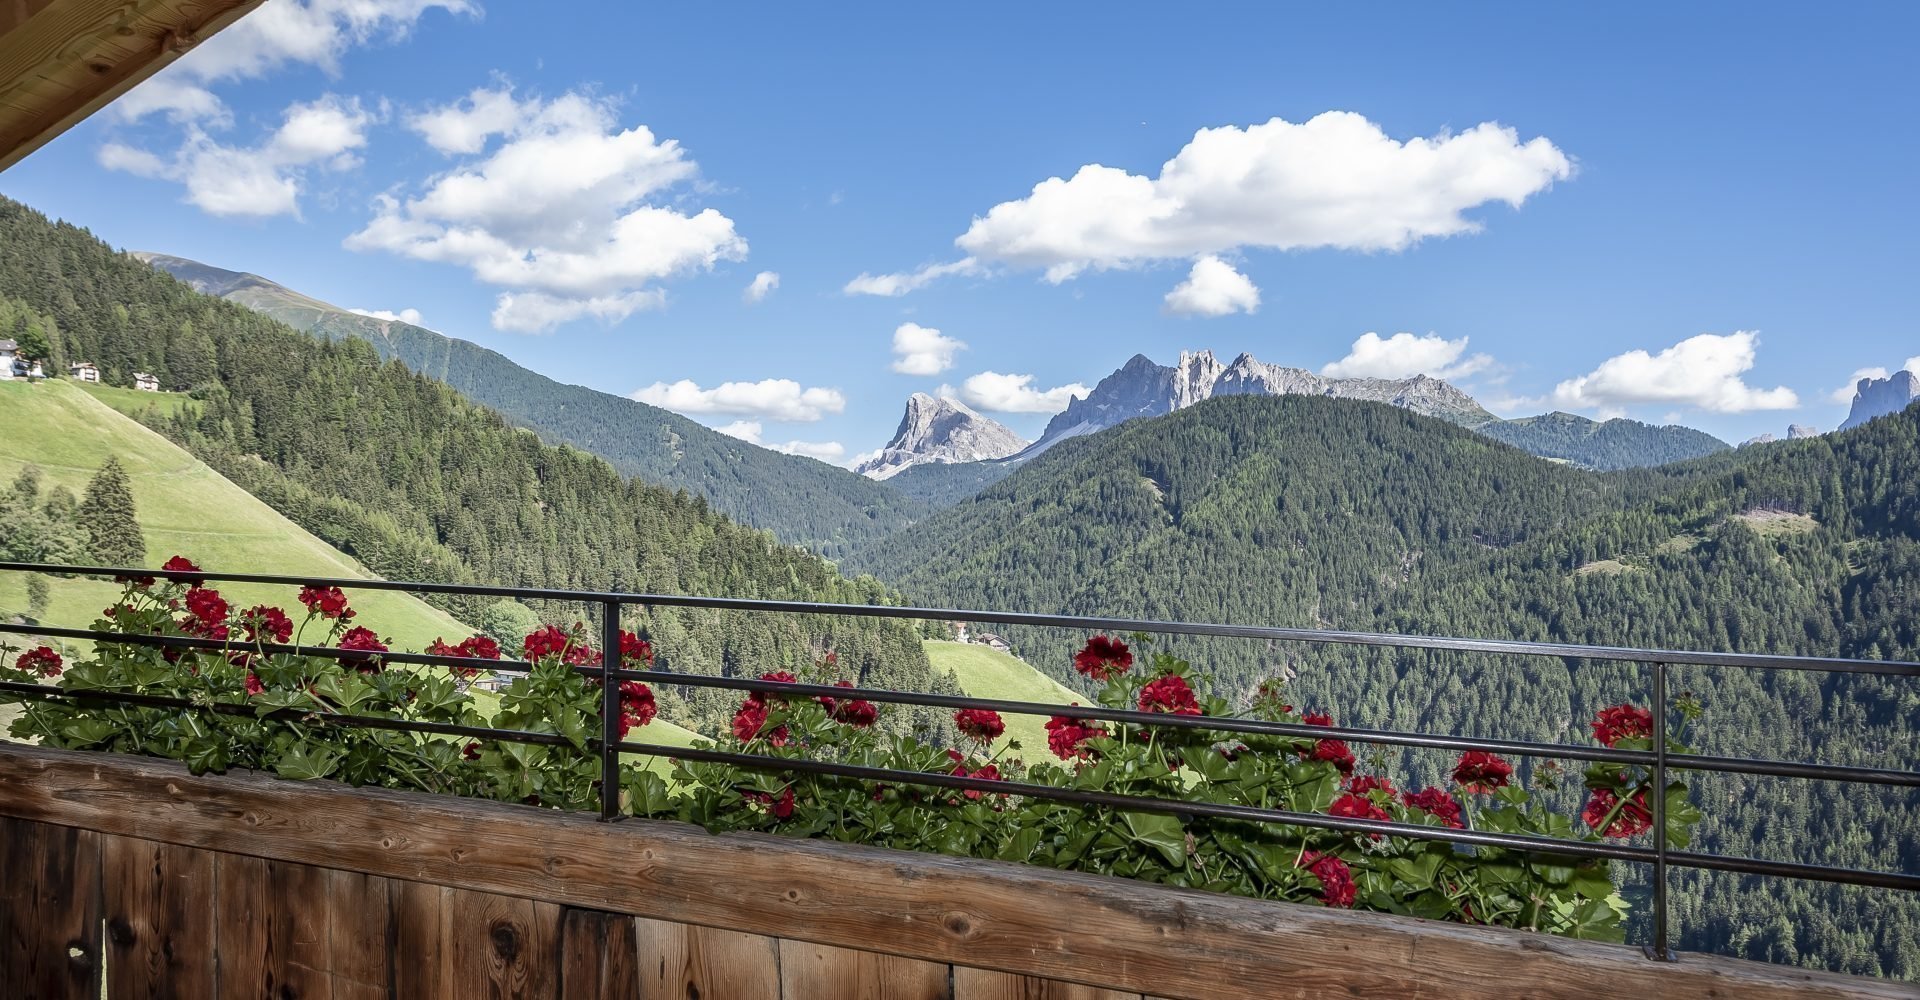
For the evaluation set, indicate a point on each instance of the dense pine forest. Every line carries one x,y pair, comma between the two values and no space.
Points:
416,482
1324,513
1602,444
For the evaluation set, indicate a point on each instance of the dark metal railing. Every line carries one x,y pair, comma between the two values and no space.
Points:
609,746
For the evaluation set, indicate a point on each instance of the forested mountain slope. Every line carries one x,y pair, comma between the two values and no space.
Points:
1311,512
800,500
417,482
1602,444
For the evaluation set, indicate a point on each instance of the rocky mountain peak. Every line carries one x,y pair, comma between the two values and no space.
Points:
938,429
1877,397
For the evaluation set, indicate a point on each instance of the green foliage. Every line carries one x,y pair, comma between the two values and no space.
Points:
1610,444
106,515
39,595
39,526
507,621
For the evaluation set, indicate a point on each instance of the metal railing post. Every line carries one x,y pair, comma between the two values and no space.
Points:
1659,950
609,710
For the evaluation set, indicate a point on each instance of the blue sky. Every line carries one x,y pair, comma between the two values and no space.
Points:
1725,189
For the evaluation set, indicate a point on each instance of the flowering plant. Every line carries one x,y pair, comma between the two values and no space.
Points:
258,707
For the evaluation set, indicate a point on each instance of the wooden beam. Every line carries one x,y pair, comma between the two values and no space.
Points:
62,60
1105,932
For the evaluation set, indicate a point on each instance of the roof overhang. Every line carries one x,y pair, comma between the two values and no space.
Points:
62,60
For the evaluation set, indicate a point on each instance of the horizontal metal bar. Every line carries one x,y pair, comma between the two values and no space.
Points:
1259,727
1255,814
1504,647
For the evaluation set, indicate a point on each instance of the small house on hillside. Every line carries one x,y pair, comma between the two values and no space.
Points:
84,371
9,358
145,382
993,642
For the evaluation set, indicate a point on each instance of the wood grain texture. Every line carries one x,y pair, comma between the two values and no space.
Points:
823,972
61,61
159,915
1174,943
50,904
685,962
983,984
598,955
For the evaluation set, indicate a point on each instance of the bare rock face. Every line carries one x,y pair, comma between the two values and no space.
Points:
1877,397
1797,431
1144,389
940,430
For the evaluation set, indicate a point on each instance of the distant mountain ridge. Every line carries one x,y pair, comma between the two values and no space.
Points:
802,501
1877,397
940,430
1602,445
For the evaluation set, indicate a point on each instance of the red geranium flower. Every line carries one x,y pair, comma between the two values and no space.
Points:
1367,783
634,649
1336,879
207,606
40,660
254,686
637,707
1632,820
1435,802
1334,752
327,602
780,808
752,717
1356,807
265,623
1066,736
1102,658
979,724
856,712
479,647
1481,772
361,639
1317,719
545,641
1622,722
960,770
1169,695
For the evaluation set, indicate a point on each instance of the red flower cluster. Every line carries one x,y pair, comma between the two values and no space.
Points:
40,660
1103,658
1356,807
254,686
1622,722
1368,783
979,724
752,717
988,772
1632,820
327,602
479,647
178,564
1435,802
1481,772
780,808
207,612
1169,695
362,639
1334,752
1336,879
266,623
552,640
637,707
856,712
1317,719
1066,736
634,651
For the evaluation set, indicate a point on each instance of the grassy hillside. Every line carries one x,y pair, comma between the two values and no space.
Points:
184,508
985,673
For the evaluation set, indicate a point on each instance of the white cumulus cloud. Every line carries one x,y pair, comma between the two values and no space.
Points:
570,213
763,285
1404,355
1335,181
750,430
1015,394
263,179
1213,288
769,399
1703,372
922,350
403,316
889,285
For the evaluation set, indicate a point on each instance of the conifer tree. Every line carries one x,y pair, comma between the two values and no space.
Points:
107,517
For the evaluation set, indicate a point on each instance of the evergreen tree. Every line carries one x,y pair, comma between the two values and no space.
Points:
108,518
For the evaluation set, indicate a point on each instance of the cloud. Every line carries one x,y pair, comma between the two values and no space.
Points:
1404,355
1702,372
560,213
282,33
1015,394
1335,181
763,285
403,316
922,350
465,126
264,179
749,431
1213,288
890,285
771,399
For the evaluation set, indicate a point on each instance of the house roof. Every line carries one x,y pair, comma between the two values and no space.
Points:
8,345
62,60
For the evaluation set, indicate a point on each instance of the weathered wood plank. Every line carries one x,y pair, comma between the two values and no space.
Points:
419,941
360,927
159,910
50,906
499,946
820,970
1012,918
684,962
598,955
272,929
982,984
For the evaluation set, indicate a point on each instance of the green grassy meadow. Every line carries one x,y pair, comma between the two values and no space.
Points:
984,673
